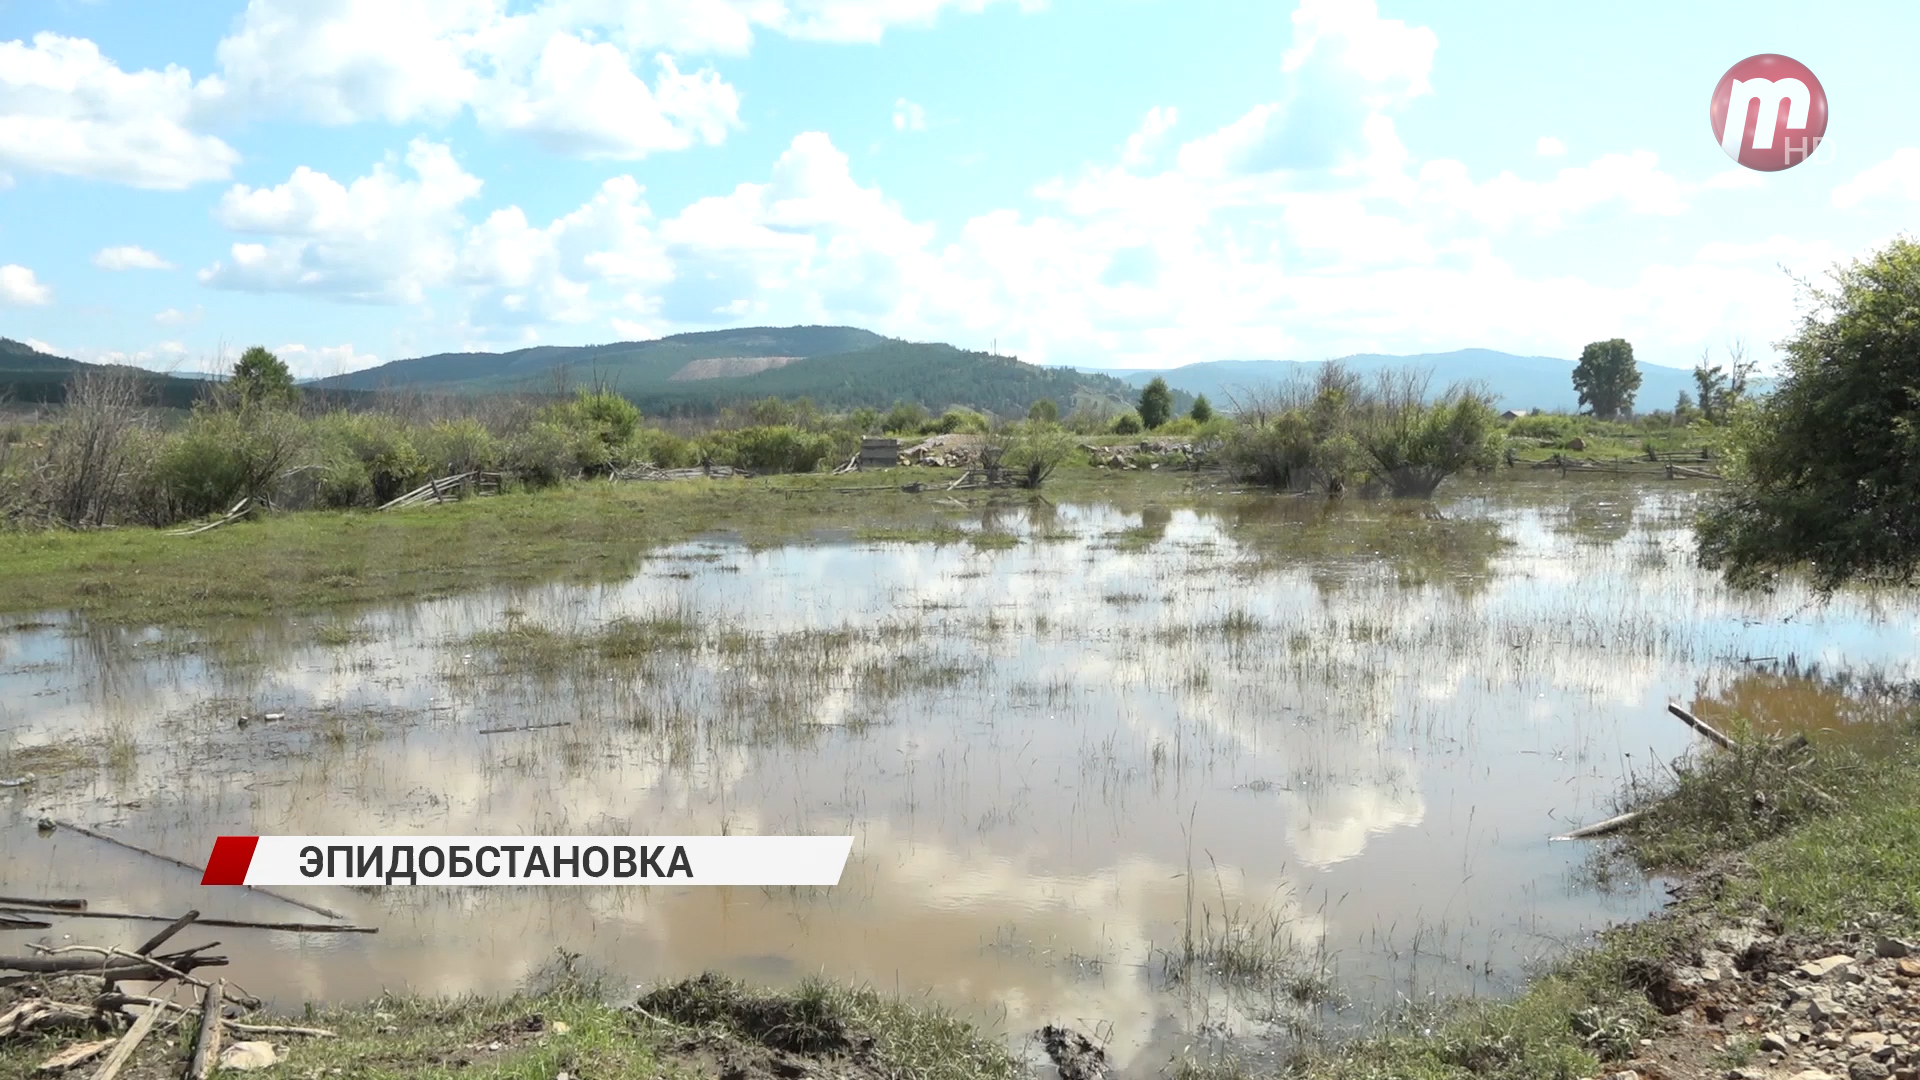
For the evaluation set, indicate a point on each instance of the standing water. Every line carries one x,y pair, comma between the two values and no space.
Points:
1212,769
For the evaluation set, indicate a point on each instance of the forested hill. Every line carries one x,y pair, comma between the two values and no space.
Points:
689,374
29,376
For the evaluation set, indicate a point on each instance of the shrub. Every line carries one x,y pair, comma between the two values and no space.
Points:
222,456
366,458
542,454
905,417
779,448
958,420
457,446
1543,426
1127,423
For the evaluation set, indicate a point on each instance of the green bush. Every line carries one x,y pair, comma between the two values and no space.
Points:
543,454
906,418
457,446
1549,426
221,456
958,420
779,448
1127,423
366,458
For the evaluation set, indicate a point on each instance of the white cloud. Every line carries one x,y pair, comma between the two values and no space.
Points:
1142,144
381,239
524,276
1898,176
20,288
584,100
176,317
129,257
1634,181
1548,146
908,116
66,109
321,361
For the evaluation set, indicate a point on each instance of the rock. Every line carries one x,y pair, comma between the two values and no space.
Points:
1812,1074
249,1055
1820,969
1888,948
1865,1068
1775,1043
1907,969
1717,965
1868,1041
1624,1074
561,1027
1821,1007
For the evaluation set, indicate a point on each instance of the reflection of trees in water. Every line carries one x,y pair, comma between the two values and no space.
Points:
1789,700
1340,541
1153,523
1597,517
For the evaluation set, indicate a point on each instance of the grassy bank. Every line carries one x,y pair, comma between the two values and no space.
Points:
698,1028
315,560
1821,845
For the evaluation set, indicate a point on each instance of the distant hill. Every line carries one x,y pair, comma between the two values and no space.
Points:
690,374
1517,382
29,376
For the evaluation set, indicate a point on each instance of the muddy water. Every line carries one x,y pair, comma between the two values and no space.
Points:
1339,736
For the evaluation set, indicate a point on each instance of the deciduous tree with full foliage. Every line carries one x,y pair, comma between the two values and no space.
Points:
1607,378
1826,469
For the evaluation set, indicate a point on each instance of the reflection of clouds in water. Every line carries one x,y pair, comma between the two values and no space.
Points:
1036,808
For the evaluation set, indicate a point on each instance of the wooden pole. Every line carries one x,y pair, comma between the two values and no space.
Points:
84,831
242,924
122,1050
1701,726
1601,828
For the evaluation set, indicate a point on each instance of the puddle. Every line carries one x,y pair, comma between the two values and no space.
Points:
1169,774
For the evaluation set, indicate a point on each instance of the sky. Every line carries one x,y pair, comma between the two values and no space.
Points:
1103,183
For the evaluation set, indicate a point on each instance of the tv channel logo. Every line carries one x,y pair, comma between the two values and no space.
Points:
1769,112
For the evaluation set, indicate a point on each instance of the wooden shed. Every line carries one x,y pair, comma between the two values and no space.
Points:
879,453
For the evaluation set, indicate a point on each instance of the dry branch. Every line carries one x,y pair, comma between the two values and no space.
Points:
57,904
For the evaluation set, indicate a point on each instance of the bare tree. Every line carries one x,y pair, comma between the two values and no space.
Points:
82,476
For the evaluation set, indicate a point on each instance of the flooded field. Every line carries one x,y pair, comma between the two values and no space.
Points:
1211,769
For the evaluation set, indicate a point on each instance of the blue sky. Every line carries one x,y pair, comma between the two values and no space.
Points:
1113,183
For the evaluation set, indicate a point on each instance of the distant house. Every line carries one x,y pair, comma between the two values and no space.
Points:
1513,414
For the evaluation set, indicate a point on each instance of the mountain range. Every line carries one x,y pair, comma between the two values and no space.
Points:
1521,383
837,367
842,367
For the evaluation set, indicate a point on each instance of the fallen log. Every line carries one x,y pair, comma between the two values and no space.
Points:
206,1041
84,831
1701,726
1602,828
57,904
110,967
40,1014
240,924
20,921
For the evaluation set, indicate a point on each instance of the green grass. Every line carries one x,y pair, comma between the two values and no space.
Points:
571,1028
312,562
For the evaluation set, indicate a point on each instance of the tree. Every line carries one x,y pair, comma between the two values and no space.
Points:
1607,378
1710,380
1044,411
1156,404
1826,469
261,378
1202,410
